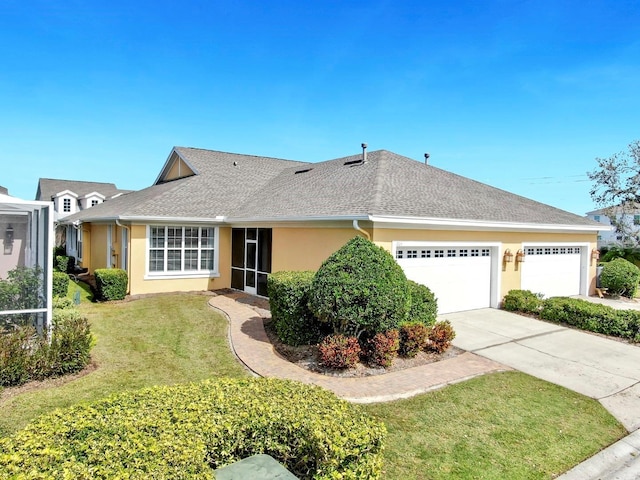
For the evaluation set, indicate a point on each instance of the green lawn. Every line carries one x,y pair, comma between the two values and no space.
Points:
505,425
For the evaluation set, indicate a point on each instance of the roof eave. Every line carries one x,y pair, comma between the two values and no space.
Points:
463,224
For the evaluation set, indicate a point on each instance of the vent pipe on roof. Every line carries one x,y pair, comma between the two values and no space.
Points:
426,158
364,153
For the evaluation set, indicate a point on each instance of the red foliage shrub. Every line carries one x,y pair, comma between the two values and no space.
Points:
413,338
382,348
338,351
440,336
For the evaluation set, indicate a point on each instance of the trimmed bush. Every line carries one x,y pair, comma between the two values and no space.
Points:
632,320
360,288
288,300
424,306
185,431
111,283
338,351
61,263
413,338
620,277
440,336
60,284
382,348
586,315
522,301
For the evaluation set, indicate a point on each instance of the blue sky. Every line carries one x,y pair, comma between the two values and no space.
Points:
523,95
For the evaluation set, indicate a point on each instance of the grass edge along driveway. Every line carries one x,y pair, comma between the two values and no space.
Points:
506,425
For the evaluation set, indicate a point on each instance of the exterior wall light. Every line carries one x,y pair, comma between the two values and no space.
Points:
595,255
8,235
520,256
508,256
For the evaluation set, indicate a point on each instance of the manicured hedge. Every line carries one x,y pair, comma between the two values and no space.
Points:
288,300
424,306
587,316
522,301
111,283
360,289
60,284
186,431
582,314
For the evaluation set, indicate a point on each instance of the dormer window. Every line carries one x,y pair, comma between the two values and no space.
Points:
66,205
94,203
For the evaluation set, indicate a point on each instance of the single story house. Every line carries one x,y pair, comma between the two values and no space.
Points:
221,220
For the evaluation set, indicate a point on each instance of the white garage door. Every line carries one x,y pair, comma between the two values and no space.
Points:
460,277
552,270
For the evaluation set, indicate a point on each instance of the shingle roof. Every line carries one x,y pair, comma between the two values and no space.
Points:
387,185
48,187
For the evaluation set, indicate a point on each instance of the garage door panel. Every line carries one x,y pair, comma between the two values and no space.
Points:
459,281
552,271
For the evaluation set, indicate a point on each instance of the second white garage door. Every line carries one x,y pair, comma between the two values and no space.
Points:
460,277
552,270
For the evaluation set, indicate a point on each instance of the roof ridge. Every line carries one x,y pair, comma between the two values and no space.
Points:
241,154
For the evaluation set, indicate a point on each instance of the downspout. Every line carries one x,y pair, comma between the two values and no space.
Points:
364,232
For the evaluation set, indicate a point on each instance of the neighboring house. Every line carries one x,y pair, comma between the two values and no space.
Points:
628,219
71,196
217,220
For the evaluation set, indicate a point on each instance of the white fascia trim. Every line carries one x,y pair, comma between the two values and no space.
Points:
94,194
479,225
346,218
65,192
172,220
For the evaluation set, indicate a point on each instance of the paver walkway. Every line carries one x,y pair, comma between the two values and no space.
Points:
250,343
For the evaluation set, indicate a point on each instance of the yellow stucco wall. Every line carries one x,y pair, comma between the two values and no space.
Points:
509,273
306,248
138,284
98,254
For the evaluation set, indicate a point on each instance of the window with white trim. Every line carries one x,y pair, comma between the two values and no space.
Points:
66,205
175,249
94,203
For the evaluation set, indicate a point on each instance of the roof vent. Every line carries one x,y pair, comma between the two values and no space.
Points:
303,171
426,158
235,164
364,153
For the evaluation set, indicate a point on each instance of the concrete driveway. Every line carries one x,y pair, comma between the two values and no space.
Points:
598,367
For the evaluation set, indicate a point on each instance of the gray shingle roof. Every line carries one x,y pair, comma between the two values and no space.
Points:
386,185
48,187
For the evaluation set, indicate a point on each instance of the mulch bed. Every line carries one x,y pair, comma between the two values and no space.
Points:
306,356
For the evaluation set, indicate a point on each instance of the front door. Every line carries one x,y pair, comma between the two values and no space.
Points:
250,259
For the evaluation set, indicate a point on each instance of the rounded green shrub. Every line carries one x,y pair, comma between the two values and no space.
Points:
360,289
620,277
522,301
111,283
60,284
288,301
186,431
424,306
